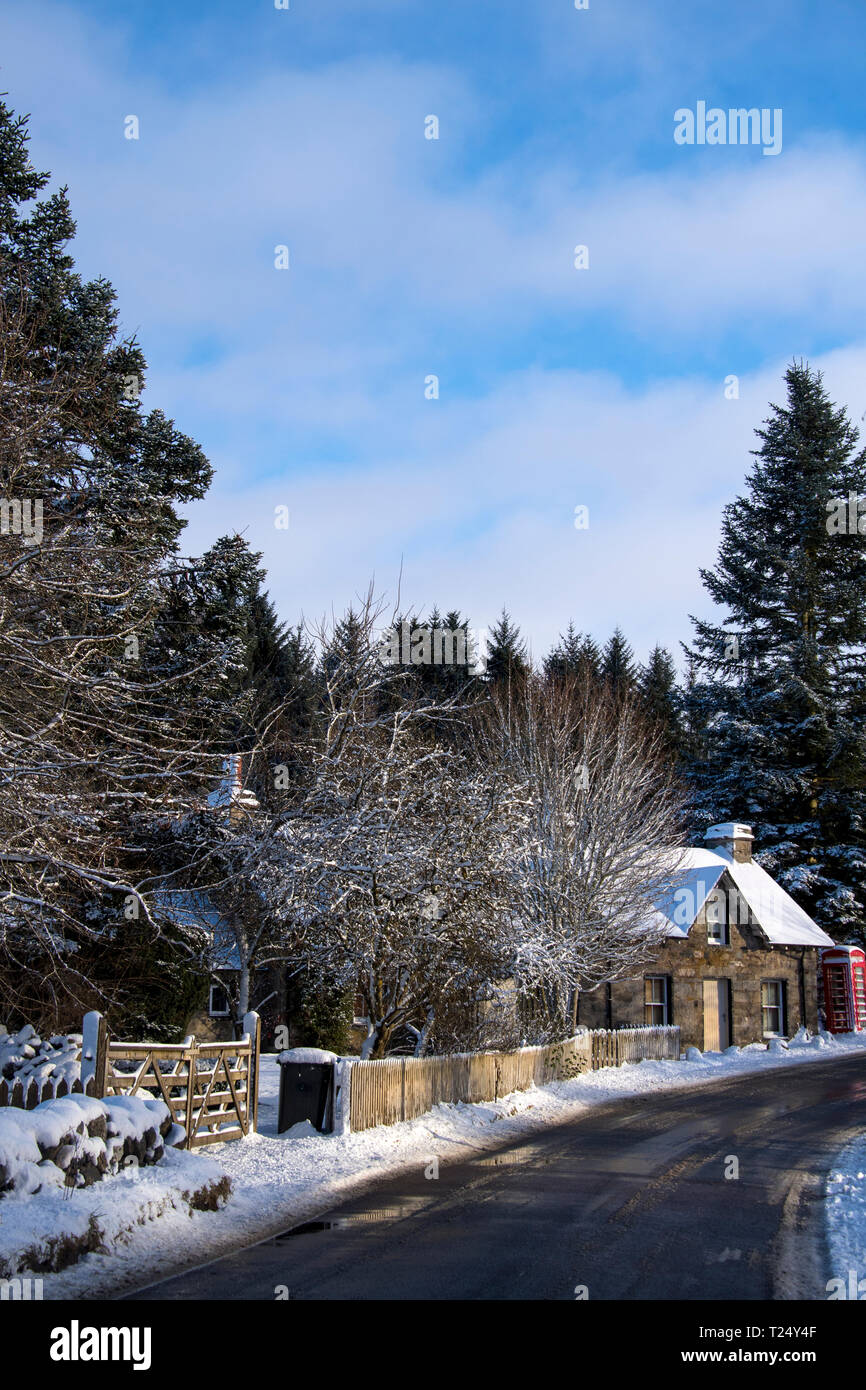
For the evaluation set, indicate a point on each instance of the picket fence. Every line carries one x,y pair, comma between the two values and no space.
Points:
402,1088
613,1046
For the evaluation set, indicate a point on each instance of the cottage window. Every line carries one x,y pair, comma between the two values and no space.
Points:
657,1000
773,1008
219,1002
717,917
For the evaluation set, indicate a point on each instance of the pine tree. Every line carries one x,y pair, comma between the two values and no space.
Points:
618,669
348,646
253,674
564,658
507,662
296,681
575,655
95,746
659,694
451,676
779,690
589,661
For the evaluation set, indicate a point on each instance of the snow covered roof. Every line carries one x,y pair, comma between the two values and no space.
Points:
191,908
698,871
782,921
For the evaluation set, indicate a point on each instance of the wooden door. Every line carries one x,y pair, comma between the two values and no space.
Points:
717,1032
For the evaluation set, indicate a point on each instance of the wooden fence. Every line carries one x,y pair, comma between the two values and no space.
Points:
402,1088
211,1089
612,1047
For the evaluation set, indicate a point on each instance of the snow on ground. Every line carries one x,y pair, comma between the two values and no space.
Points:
846,1221
279,1181
109,1214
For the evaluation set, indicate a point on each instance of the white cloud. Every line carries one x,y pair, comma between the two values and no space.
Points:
484,516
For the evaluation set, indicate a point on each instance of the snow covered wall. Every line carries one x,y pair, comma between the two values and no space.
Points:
78,1140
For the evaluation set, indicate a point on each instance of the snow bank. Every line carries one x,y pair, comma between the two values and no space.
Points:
846,1221
54,1211
80,1231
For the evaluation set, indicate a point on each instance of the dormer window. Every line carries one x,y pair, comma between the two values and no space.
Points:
717,917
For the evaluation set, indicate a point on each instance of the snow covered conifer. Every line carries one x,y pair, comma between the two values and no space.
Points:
779,682
92,749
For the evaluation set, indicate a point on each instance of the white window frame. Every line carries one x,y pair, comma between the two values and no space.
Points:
779,1008
719,897
651,1004
219,1013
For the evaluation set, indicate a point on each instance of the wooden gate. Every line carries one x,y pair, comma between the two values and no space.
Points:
211,1089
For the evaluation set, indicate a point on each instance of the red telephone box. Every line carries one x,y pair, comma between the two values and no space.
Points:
844,971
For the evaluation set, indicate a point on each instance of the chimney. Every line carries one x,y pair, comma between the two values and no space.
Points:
239,800
732,839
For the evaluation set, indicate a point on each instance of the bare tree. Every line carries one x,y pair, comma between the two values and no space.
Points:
442,878
391,868
597,850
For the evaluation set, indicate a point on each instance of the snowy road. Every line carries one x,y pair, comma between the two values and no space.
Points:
631,1200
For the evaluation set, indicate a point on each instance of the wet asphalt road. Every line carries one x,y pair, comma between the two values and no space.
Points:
630,1200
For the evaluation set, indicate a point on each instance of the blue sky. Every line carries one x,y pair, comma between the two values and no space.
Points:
411,257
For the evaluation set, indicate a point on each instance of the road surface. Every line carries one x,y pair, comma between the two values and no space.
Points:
630,1201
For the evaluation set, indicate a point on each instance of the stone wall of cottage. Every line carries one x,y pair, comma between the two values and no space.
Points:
746,962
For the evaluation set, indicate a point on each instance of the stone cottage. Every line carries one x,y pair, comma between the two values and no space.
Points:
740,962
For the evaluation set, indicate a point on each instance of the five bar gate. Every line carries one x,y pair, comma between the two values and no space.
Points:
210,1088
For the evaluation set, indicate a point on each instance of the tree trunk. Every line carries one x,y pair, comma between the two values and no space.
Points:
243,990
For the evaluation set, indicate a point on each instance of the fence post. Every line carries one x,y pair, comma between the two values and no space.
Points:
253,1027
341,1120
94,1052
191,1081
